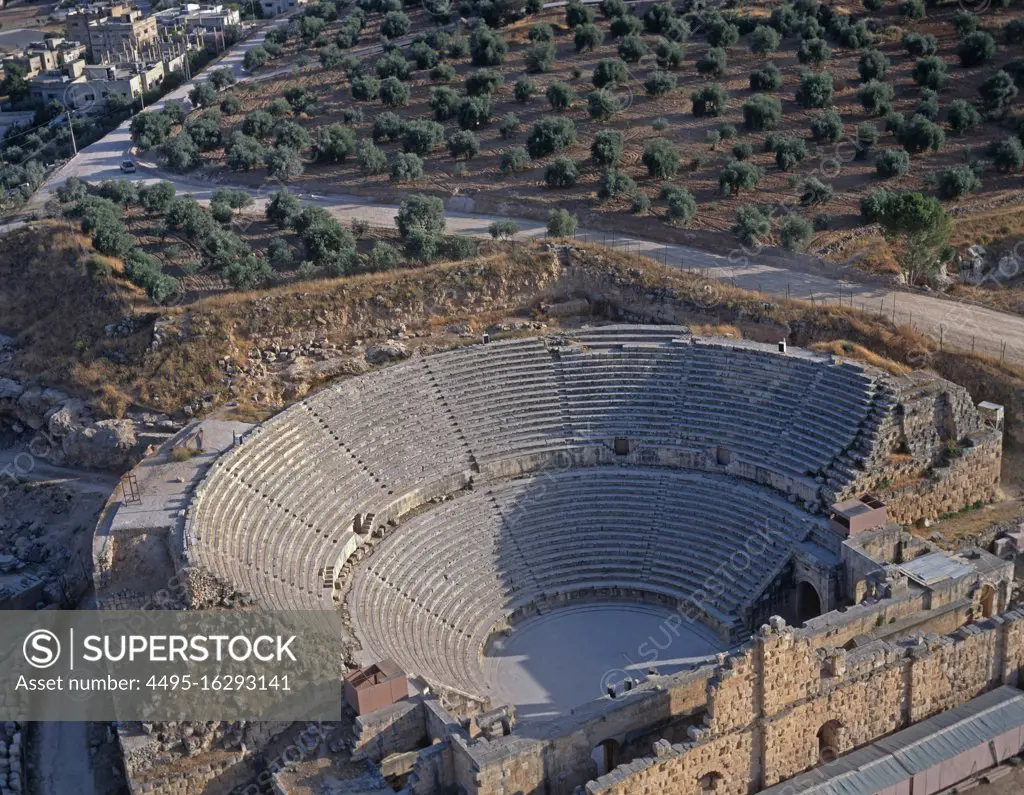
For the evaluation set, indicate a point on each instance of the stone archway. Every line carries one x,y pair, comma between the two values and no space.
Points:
605,756
831,741
712,783
808,603
987,599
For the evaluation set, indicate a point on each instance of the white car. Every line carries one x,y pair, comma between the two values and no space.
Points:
128,166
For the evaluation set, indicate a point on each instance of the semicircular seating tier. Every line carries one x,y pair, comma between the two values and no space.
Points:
705,544
276,515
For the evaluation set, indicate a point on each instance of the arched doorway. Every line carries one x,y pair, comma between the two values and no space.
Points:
605,756
988,600
830,741
808,603
711,783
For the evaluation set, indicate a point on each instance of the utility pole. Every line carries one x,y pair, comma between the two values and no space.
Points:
71,128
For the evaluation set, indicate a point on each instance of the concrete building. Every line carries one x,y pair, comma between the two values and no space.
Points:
78,19
272,8
125,38
46,55
116,79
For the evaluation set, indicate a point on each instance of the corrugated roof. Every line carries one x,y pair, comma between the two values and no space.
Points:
908,752
934,567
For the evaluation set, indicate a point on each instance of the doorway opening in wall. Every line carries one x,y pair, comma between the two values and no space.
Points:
621,445
988,600
829,741
808,603
605,756
711,783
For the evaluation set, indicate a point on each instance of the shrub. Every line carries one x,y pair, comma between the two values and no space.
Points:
1008,155
658,17
682,207
540,57
181,152
406,167
669,54
203,95
230,105
602,104
626,25
919,46
392,64
872,65
483,81
661,158
423,245
742,151
365,88
873,205
965,22
997,93
789,152
826,127
283,209
713,63
976,48
816,192
894,123
920,134
795,233
443,73
509,125
963,117
561,223
206,133
156,198
709,100
876,97
815,89
503,230
738,175
892,163
721,32
609,71
460,247
606,148
814,52
280,254
658,83
394,24
463,144
541,32
254,59
764,39
614,183
577,14
930,72
767,78
1014,31
632,48
244,152
487,47
384,256
550,135
524,89
387,127
283,163
514,160
912,9
929,104
421,136
560,95
952,183
424,56
474,112
660,124
394,93
150,129
867,136
752,226
562,173
371,160
762,112
639,203
588,37
458,46
444,102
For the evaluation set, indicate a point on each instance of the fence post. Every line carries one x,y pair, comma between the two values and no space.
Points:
942,331
1002,351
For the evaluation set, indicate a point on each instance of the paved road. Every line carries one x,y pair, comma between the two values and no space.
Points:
963,325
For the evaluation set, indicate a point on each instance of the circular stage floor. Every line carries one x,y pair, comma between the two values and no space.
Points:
555,662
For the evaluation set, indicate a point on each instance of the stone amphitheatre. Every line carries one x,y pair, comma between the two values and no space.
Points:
619,559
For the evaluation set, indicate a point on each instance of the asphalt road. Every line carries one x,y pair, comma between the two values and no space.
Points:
959,324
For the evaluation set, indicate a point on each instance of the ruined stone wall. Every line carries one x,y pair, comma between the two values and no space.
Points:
394,729
812,697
